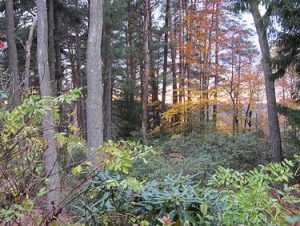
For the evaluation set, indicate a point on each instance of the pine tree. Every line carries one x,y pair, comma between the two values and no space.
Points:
261,29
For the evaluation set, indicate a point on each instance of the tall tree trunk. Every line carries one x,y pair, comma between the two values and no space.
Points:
132,59
181,52
153,74
216,79
206,65
146,68
28,53
173,53
51,46
13,68
274,130
107,33
108,93
237,94
57,46
188,58
48,126
232,90
76,84
94,101
165,64
80,105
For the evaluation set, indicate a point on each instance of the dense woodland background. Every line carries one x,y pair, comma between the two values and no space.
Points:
108,107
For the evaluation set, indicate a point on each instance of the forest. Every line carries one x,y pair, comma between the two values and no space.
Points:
149,112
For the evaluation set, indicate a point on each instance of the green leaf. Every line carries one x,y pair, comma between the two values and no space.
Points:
186,223
204,208
42,192
76,170
132,219
28,205
60,138
293,219
145,223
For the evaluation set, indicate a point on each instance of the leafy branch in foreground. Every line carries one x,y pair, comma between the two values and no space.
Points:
22,174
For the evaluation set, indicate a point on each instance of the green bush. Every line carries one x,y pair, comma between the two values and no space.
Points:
247,197
202,154
22,176
255,197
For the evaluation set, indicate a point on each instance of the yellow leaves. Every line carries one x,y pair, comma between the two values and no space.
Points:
74,129
61,139
194,99
196,92
76,170
185,107
202,49
225,127
200,36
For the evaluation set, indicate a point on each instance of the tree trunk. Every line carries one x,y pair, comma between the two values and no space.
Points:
188,58
132,58
80,105
153,74
232,91
108,93
216,79
50,155
237,94
206,65
51,46
173,53
146,69
76,84
108,77
13,68
58,68
28,53
274,130
181,53
165,64
94,81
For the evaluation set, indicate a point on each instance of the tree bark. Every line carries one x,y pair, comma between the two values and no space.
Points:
57,46
80,103
173,53
50,155
108,94
181,53
107,35
274,129
51,46
146,69
206,65
94,102
216,79
132,57
13,67
188,58
165,64
28,53
153,74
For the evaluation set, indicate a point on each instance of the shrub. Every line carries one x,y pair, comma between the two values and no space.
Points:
256,197
22,176
248,198
202,154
